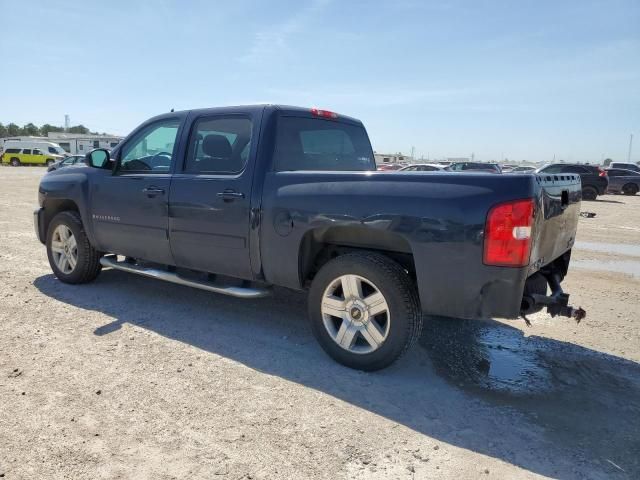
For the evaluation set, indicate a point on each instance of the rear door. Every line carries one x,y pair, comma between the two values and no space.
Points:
210,196
130,207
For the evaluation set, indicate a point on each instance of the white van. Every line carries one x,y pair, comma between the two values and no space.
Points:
46,147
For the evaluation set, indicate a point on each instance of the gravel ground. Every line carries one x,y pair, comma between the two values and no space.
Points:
129,377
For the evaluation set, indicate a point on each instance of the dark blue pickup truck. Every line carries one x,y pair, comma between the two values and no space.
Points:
235,200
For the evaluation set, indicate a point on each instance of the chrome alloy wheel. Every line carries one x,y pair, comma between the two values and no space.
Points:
355,314
64,249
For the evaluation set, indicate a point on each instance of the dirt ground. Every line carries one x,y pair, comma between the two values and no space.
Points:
134,378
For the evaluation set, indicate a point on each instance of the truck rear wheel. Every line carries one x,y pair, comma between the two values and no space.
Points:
364,310
630,189
71,256
589,193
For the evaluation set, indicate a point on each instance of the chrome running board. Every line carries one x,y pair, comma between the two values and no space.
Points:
240,292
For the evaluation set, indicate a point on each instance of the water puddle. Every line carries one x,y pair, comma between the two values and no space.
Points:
630,267
474,354
576,395
620,248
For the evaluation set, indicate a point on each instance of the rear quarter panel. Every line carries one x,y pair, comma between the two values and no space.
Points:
441,216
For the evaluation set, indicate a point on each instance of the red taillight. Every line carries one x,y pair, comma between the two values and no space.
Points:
603,173
507,234
323,113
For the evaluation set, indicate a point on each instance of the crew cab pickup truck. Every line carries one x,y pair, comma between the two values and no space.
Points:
236,200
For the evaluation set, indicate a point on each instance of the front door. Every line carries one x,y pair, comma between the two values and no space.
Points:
210,198
38,156
130,207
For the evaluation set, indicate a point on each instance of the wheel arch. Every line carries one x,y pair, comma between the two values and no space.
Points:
54,206
320,245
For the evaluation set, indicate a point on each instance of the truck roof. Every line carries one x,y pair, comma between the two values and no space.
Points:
257,108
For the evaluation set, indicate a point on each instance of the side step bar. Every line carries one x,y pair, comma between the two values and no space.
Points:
240,292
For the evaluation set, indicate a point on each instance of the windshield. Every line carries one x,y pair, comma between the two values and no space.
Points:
317,144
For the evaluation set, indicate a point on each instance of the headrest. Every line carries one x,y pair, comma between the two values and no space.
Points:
216,146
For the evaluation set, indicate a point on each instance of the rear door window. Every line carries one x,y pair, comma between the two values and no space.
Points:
26,151
219,145
323,145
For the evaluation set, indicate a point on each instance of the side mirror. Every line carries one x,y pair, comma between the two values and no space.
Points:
98,158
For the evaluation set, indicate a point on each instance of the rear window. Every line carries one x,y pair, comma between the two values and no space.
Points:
316,144
12,150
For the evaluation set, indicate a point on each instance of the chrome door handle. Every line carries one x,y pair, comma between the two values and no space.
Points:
153,191
228,195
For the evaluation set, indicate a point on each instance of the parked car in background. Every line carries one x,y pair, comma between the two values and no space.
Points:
594,179
523,169
422,167
67,162
384,167
474,167
49,148
625,166
623,181
28,156
507,168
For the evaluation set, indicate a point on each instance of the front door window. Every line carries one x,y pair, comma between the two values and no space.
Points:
151,150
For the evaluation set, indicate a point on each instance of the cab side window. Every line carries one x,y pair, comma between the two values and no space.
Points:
37,152
151,150
219,146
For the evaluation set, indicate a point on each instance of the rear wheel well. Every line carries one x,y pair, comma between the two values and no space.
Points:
315,251
54,207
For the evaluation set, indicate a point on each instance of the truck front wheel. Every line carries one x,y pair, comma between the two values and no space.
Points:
71,256
364,310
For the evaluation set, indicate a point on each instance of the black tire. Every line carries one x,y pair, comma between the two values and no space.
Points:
88,258
15,162
398,290
50,162
630,189
589,193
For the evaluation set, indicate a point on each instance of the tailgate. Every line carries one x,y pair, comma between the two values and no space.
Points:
556,221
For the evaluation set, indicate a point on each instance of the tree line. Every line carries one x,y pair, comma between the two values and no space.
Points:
13,130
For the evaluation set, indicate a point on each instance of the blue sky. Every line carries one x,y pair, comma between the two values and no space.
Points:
523,80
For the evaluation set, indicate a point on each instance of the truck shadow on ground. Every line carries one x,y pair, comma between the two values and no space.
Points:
550,407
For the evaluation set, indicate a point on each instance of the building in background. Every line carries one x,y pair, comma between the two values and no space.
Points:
392,158
79,144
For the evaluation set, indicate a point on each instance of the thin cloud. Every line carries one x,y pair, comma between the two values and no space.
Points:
274,41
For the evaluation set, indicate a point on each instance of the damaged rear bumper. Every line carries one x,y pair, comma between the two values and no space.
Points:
535,296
